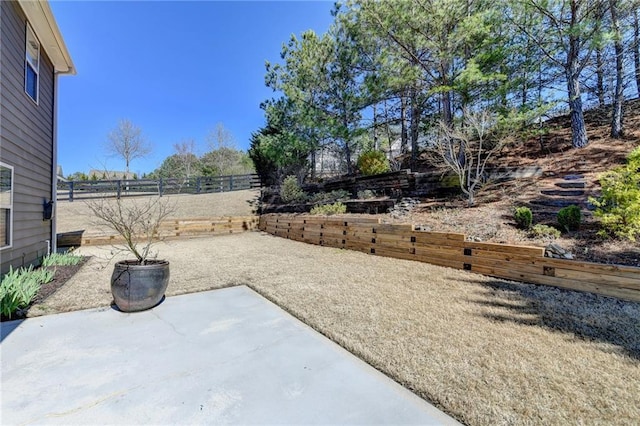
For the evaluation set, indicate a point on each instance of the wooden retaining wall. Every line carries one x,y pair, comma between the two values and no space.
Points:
520,263
169,229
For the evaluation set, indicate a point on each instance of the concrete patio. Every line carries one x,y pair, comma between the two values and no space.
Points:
226,356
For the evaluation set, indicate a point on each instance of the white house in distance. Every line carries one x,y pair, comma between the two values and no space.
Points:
33,54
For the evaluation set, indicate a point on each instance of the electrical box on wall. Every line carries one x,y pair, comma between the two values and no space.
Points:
47,213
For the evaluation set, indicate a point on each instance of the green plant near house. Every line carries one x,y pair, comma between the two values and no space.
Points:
43,275
569,218
618,206
544,231
329,209
19,287
61,259
523,217
373,163
290,191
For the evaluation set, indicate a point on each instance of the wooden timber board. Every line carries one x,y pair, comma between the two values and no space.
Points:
522,263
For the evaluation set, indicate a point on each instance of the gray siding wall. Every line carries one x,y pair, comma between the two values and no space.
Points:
26,140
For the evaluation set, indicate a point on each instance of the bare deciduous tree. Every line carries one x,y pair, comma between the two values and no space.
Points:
223,154
221,137
186,156
465,149
126,141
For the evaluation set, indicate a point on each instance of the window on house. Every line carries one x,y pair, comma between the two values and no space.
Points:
31,65
6,205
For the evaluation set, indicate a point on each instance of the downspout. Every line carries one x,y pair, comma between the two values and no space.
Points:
54,167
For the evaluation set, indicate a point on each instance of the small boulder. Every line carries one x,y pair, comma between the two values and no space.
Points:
555,251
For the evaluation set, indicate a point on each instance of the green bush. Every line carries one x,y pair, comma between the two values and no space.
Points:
61,259
618,207
633,159
19,287
523,217
366,194
290,191
373,163
329,209
569,218
327,197
544,231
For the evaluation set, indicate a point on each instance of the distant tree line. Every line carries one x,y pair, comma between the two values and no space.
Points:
398,71
222,158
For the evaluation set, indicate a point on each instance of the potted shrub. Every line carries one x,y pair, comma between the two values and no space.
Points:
138,283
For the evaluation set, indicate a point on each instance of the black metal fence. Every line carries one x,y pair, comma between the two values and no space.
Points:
75,190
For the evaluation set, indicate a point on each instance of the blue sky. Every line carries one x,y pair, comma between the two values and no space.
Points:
175,69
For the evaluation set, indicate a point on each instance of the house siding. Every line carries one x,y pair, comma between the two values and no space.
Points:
26,140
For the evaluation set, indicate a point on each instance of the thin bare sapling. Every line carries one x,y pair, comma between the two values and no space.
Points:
466,148
136,221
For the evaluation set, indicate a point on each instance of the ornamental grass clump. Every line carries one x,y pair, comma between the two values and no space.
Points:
329,209
61,259
327,197
544,231
19,287
366,194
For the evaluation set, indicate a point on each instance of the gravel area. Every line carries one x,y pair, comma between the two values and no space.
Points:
486,351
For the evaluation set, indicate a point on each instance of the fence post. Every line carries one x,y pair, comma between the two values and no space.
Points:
71,191
231,183
119,189
198,185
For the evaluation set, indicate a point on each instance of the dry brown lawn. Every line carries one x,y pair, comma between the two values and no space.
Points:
484,350
76,216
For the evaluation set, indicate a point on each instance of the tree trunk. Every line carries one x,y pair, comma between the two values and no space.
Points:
376,145
599,77
578,130
313,164
447,115
347,143
636,48
447,108
572,69
524,89
599,60
404,137
616,121
415,123
388,130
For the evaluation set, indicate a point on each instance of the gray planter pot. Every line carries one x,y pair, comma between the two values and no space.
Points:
138,287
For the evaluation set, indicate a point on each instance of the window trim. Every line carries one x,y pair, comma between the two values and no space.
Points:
27,63
9,206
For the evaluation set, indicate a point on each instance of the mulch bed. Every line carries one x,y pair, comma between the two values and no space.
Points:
62,274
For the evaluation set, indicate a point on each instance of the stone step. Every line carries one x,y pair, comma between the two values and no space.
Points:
563,192
553,211
560,202
572,184
574,177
